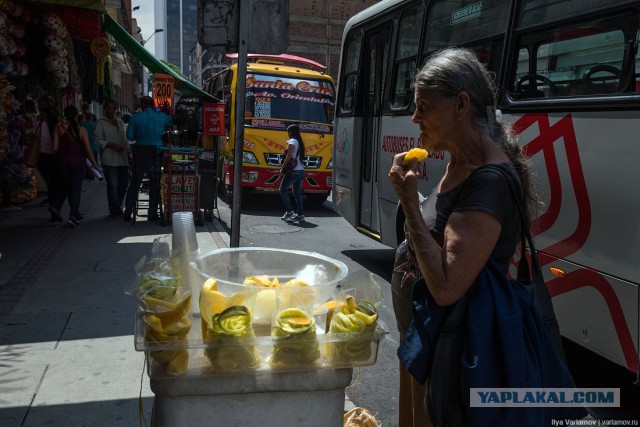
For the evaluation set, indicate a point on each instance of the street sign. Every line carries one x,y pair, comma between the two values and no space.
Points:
163,90
213,118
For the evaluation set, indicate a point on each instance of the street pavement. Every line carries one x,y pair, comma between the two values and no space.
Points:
67,355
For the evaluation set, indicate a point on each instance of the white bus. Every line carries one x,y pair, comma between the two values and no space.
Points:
567,73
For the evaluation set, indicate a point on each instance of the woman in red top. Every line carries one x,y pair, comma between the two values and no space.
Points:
71,145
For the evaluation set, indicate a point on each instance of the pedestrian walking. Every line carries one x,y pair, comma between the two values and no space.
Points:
110,137
71,145
292,172
48,120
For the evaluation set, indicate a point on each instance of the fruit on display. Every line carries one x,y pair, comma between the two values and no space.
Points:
166,312
266,299
265,281
415,153
212,302
233,322
295,331
160,281
331,308
350,317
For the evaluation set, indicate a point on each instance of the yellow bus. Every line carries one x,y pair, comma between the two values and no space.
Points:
280,90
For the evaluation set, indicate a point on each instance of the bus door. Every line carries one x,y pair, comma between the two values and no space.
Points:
376,55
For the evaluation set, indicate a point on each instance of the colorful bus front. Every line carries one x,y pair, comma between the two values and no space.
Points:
276,97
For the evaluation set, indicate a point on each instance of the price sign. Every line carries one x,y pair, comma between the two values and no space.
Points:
163,90
213,118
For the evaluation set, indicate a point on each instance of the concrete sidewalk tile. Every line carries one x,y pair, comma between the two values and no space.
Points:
105,413
41,331
100,324
93,369
19,382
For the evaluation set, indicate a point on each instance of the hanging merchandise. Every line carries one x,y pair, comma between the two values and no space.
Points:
57,61
100,48
5,92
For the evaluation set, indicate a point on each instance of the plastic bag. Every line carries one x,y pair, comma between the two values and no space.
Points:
353,317
224,317
294,328
165,306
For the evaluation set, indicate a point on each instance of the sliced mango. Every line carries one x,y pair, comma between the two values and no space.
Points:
168,312
260,280
415,153
331,305
296,282
212,302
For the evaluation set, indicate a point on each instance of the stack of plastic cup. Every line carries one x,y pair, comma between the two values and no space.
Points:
185,248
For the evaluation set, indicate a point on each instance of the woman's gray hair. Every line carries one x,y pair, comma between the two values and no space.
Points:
453,70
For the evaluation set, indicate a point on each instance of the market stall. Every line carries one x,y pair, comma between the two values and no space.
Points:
45,51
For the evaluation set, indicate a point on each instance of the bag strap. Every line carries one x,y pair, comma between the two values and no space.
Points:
537,290
524,272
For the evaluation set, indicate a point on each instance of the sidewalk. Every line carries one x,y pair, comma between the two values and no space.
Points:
67,355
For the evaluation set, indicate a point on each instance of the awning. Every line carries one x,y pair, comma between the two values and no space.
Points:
182,85
84,4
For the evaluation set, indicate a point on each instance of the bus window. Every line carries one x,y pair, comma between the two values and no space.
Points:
452,23
350,73
406,56
535,12
585,59
294,99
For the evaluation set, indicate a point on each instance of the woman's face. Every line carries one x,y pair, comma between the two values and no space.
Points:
435,115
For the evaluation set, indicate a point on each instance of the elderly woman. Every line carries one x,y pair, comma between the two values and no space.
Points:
471,215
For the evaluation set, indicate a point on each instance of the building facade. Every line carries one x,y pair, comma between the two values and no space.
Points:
315,32
316,26
179,21
126,71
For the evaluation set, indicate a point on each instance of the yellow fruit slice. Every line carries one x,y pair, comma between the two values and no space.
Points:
261,280
331,305
296,282
168,312
415,153
210,285
212,302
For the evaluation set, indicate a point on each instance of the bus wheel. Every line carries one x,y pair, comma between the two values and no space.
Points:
317,199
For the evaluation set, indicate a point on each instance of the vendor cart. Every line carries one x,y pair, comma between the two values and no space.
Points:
253,354
180,180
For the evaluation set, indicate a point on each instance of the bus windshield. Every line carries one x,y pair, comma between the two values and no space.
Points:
280,98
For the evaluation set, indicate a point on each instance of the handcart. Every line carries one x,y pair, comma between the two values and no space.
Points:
145,169
208,187
180,180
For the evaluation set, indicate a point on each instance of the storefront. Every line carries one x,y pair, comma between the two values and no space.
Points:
72,51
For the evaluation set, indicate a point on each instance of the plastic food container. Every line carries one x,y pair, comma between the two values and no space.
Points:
230,267
229,353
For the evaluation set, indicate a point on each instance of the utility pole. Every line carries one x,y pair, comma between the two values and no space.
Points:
241,88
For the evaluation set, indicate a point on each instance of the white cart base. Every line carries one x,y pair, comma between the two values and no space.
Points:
306,398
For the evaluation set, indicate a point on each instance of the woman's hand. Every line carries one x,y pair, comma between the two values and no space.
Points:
404,178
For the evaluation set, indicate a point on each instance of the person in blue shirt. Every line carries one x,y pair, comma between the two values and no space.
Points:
146,128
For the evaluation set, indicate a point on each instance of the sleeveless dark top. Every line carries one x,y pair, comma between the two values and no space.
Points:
484,190
71,149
